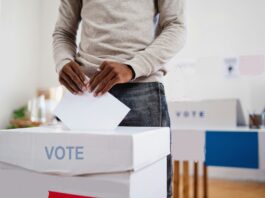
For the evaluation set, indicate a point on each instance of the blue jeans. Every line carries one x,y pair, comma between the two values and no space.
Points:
148,108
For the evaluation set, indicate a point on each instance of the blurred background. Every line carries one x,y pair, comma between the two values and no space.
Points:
224,58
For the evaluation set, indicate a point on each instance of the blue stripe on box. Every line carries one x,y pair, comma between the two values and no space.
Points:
232,149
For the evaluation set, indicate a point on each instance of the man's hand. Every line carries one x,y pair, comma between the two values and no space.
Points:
73,78
110,74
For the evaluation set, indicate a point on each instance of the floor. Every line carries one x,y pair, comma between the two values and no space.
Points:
230,189
236,189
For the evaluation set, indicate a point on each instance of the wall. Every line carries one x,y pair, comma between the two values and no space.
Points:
19,54
48,17
218,29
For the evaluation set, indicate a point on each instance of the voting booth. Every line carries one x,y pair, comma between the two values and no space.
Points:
122,163
206,113
193,142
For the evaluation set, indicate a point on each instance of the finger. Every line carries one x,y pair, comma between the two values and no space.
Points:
104,83
109,85
72,75
76,68
69,83
102,66
92,80
65,83
96,74
99,78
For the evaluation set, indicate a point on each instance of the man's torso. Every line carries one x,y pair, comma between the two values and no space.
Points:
116,30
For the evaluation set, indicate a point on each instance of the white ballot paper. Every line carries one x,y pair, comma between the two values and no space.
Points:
86,112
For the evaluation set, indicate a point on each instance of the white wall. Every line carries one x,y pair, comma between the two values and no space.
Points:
19,54
218,29
48,14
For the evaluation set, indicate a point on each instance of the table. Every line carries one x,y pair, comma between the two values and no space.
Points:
226,147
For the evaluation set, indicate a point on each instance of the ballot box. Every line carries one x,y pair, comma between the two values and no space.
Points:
206,113
126,162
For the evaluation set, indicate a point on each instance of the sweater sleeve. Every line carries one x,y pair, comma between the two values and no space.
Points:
64,36
167,44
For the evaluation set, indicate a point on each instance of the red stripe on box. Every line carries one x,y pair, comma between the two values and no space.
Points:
63,195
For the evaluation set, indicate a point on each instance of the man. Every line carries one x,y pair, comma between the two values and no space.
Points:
124,47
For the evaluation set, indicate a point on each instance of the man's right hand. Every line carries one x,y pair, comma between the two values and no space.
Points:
73,78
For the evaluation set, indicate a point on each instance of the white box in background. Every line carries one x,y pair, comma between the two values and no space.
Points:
206,113
148,182
188,145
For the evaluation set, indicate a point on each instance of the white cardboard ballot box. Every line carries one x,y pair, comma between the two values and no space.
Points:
148,182
59,151
206,113
79,162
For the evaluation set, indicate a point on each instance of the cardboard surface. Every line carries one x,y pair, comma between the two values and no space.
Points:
206,113
58,151
188,145
149,182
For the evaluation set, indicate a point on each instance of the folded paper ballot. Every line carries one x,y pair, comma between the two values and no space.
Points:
87,112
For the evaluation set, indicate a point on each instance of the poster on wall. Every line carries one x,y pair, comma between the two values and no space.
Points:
252,65
247,65
231,67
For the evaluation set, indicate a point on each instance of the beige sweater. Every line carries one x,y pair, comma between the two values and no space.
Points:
145,34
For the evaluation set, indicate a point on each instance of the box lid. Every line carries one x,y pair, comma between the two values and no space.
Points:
59,151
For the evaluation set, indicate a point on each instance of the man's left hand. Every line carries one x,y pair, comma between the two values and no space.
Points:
110,74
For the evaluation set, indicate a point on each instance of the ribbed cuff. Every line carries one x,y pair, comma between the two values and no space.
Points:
133,72
138,67
60,66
